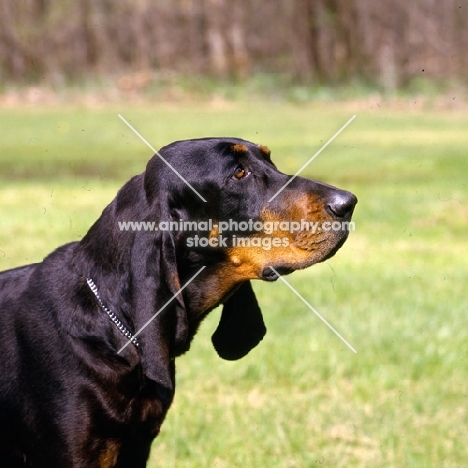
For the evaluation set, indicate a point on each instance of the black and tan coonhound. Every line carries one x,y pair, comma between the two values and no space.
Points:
88,337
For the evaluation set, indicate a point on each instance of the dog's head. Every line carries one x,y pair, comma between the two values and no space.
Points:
229,193
234,213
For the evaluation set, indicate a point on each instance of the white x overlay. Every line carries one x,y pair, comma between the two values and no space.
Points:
274,196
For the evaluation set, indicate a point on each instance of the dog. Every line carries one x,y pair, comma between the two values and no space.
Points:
89,336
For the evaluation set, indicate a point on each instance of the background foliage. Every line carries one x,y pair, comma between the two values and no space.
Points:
389,44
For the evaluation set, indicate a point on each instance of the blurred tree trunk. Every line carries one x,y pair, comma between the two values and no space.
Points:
240,65
87,39
304,33
215,36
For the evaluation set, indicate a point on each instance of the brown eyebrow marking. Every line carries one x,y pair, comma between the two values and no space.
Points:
238,148
265,150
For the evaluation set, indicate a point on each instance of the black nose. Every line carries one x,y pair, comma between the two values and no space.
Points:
341,204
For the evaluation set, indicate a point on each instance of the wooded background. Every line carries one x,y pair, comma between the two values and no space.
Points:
310,41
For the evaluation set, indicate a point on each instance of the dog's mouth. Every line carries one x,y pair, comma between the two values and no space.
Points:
305,251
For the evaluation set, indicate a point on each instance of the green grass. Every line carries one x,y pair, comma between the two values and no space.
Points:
396,291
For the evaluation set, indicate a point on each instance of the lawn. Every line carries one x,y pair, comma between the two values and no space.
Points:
395,291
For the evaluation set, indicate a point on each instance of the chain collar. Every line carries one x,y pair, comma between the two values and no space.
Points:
123,329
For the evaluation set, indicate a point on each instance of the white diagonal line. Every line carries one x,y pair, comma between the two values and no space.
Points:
157,153
162,308
314,311
312,158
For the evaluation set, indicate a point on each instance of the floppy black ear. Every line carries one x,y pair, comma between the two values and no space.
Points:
154,282
241,327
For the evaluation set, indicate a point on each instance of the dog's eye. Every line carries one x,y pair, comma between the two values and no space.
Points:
240,172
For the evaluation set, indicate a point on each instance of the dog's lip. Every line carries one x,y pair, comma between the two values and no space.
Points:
335,249
273,273
308,241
